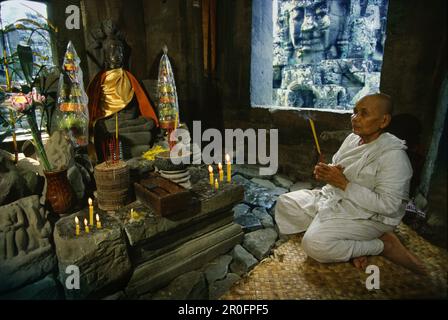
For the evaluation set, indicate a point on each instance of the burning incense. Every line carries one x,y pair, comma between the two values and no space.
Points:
315,136
117,154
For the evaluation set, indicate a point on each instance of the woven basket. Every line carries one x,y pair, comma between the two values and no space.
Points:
112,182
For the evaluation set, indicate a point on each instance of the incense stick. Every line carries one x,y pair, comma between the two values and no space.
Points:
315,136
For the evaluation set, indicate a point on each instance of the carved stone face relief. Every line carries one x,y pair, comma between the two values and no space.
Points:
327,37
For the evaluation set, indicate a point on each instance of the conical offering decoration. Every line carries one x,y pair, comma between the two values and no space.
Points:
168,107
73,114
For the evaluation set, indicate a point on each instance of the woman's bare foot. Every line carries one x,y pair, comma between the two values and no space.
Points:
360,262
397,253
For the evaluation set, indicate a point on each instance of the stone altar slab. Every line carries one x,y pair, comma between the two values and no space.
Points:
101,255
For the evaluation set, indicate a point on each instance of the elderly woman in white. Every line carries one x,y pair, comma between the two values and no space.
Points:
354,214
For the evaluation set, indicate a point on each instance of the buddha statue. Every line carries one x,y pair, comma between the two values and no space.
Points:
115,96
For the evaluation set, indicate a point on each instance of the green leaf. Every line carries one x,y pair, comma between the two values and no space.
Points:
34,23
26,62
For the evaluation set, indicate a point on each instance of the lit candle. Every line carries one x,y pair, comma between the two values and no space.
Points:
87,226
229,168
77,226
134,215
176,120
98,222
210,170
216,184
315,136
91,212
221,172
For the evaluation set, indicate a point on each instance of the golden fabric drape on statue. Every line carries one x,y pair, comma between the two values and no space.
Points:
117,92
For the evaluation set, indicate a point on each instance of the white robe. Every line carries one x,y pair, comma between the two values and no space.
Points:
374,201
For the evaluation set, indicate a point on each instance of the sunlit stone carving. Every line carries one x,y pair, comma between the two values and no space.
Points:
327,51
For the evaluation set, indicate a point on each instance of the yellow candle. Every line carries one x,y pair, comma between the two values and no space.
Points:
221,173
229,168
91,212
210,170
98,222
87,226
77,226
315,136
216,184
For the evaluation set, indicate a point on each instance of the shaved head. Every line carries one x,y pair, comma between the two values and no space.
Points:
381,101
371,115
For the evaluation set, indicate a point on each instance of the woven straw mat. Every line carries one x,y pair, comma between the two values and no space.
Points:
289,274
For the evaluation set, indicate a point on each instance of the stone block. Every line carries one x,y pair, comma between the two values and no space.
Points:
46,289
217,269
191,255
189,286
249,222
264,183
100,255
218,288
26,254
264,217
228,195
282,181
240,210
242,261
260,242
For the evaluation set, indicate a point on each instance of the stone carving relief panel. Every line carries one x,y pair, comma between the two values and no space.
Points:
327,53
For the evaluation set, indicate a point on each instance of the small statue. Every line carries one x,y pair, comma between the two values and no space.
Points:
116,99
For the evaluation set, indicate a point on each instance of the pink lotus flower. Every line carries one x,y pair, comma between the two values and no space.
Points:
23,102
26,104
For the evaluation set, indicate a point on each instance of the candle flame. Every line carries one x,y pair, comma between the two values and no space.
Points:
85,222
227,158
97,217
76,220
220,166
90,202
210,169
